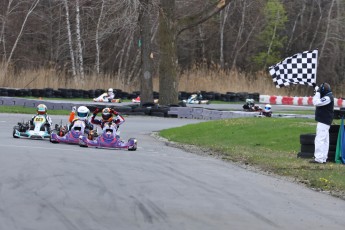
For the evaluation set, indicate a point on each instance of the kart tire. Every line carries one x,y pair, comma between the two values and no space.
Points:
132,148
83,146
307,139
54,142
14,131
305,155
308,148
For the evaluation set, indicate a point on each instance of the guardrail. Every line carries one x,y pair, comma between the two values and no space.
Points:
285,100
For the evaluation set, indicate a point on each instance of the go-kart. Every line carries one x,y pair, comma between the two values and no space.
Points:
251,107
61,134
137,100
193,100
104,98
108,139
39,129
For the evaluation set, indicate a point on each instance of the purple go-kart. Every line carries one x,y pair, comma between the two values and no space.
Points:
62,135
108,139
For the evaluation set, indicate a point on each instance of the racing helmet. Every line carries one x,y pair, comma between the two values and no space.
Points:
324,89
250,101
267,108
83,112
110,90
42,109
106,114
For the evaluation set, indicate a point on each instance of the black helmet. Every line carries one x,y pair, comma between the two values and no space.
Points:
325,88
107,115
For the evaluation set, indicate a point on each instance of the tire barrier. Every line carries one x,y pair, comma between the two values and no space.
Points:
175,111
308,146
78,93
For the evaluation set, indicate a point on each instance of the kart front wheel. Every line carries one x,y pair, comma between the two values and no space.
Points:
14,131
132,144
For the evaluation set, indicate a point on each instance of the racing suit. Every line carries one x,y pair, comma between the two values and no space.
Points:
324,117
119,120
48,123
110,96
72,120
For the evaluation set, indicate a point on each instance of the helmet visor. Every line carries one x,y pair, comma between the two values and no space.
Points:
83,115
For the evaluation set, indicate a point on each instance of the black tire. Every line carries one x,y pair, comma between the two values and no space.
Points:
305,155
333,138
158,114
135,146
14,131
331,156
332,147
308,148
307,139
334,129
148,104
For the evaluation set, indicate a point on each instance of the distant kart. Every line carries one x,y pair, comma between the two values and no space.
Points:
137,100
39,129
193,100
108,139
103,98
61,134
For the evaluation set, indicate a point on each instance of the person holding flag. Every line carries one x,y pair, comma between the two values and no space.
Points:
324,101
301,69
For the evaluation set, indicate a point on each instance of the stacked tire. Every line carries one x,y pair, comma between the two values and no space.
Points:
308,146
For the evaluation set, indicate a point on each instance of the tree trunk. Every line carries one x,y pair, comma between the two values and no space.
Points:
168,79
80,48
68,24
146,86
327,32
169,28
223,17
97,38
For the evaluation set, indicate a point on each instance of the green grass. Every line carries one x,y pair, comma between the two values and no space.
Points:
271,144
71,99
27,110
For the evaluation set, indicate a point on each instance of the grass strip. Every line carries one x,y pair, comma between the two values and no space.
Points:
270,144
29,110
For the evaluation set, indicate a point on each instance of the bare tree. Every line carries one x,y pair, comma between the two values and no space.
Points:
70,43
4,19
79,46
31,9
223,18
97,37
327,32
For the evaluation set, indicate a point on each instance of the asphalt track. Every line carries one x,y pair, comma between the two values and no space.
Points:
66,187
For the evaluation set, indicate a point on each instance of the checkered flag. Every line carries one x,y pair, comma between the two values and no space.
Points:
297,69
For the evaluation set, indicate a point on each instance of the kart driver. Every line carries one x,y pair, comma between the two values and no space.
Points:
107,116
42,110
106,97
82,115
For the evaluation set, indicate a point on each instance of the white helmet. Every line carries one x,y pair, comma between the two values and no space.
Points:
83,112
42,109
268,108
110,90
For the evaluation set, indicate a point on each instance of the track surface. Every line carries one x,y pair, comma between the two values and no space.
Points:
66,187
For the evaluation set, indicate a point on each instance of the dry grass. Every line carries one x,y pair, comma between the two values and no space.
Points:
190,81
